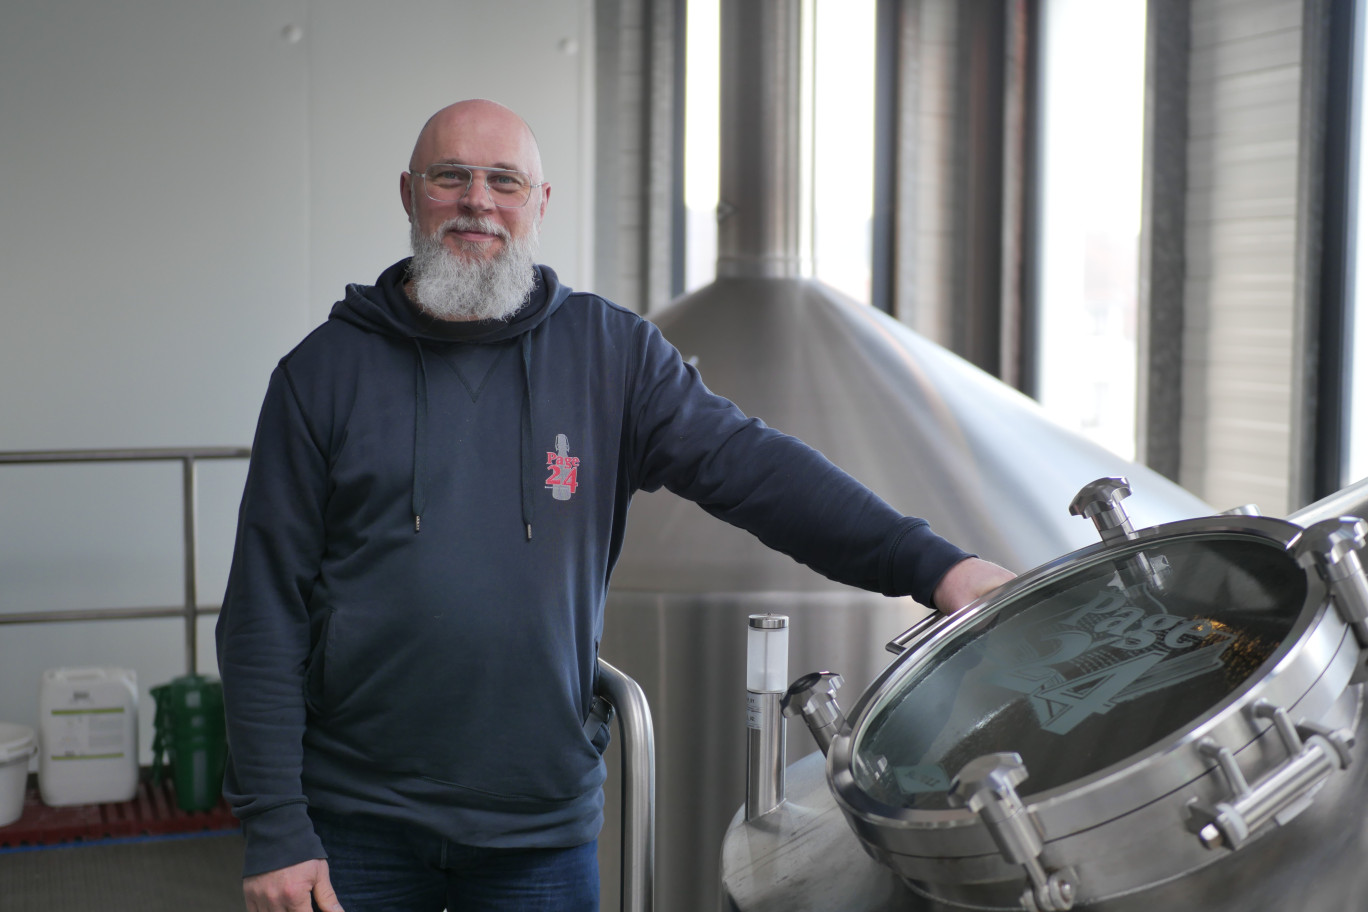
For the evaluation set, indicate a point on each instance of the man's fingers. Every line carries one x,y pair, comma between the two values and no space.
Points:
323,893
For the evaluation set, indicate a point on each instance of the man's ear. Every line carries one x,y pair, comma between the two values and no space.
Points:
406,192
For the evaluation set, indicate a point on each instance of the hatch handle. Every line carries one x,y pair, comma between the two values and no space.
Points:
987,786
1314,753
913,635
1332,546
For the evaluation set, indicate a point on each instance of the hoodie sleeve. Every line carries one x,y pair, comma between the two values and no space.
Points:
263,633
702,447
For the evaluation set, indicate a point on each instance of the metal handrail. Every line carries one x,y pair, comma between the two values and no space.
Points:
626,695
638,786
189,458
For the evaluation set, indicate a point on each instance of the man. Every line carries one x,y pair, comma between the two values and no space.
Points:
437,495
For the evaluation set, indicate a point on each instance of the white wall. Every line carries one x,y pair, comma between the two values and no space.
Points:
184,191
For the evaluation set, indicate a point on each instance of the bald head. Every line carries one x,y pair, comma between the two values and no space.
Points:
465,131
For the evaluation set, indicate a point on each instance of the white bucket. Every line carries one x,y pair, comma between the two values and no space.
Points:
17,745
88,728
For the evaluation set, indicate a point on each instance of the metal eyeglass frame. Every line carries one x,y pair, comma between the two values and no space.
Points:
487,171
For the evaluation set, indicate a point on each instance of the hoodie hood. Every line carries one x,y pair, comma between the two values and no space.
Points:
385,308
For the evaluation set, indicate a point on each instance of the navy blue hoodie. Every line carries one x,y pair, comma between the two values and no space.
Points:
430,520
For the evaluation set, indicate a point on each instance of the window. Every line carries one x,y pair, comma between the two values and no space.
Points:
1092,112
841,133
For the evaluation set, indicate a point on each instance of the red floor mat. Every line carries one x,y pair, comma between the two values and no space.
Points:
152,812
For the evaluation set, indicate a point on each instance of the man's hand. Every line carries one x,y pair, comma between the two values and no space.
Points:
290,889
968,581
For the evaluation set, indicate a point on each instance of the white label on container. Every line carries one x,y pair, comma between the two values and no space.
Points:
96,734
753,711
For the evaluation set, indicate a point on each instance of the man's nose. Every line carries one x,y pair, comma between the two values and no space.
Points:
477,196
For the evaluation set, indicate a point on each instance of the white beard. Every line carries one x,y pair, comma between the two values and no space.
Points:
451,287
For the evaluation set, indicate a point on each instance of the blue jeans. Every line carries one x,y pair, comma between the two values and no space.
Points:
377,865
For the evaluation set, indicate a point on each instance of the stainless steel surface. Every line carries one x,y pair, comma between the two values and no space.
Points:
913,635
766,756
1351,500
684,650
147,454
1256,806
813,696
188,457
1314,754
1332,546
987,787
804,858
932,435
759,216
767,637
190,531
1315,665
79,615
637,863
1100,501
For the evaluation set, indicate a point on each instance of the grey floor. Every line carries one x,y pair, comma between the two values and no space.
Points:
201,873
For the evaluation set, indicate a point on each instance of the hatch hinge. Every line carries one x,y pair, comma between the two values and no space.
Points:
987,786
1314,753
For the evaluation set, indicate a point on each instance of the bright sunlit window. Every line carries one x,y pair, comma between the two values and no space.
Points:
843,146
1357,466
1092,132
841,132
701,114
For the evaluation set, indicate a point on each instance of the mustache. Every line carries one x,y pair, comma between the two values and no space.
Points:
471,223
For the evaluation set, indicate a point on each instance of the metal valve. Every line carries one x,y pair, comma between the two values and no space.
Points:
1332,546
987,786
813,696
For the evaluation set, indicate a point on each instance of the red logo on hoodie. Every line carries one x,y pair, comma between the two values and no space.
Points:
564,468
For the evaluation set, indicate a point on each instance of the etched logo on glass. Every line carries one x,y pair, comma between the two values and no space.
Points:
1118,646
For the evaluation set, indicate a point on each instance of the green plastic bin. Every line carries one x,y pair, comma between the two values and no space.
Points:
190,735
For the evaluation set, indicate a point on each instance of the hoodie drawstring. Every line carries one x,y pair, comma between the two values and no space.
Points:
529,463
420,407
526,445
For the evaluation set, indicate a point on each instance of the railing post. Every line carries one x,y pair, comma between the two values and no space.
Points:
190,523
638,786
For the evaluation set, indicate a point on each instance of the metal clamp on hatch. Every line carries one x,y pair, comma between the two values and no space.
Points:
1332,546
1100,501
813,696
1315,752
987,786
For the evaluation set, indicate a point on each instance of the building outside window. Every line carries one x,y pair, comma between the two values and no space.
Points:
1092,111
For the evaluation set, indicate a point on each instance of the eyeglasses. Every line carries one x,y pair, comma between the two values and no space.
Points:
507,189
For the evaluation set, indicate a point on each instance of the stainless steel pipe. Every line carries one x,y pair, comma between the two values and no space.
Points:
638,786
1348,501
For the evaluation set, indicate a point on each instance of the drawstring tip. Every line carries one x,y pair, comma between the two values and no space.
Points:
417,523
529,531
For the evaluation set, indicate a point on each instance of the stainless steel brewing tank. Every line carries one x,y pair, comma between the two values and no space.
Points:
1166,720
927,431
